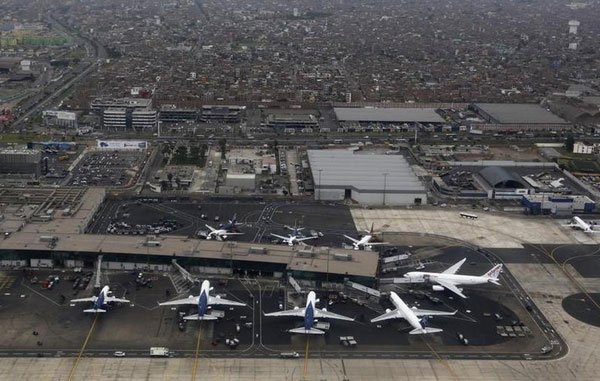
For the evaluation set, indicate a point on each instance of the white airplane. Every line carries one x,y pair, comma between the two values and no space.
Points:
411,315
220,234
578,223
310,312
365,241
450,280
100,301
292,238
203,301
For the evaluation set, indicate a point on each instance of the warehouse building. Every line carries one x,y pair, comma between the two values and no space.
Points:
557,204
517,117
385,119
369,179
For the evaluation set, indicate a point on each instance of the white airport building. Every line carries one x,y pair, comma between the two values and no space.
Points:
368,179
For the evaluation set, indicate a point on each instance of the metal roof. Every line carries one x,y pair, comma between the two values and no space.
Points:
363,172
499,177
391,115
519,114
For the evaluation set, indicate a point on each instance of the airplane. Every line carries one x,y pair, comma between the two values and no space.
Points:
578,223
309,313
450,280
203,301
100,301
365,241
411,315
220,234
294,237
231,225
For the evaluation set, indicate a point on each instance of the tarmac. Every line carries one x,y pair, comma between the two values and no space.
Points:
543,283
490,229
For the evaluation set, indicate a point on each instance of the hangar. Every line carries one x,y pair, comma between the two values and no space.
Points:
369,179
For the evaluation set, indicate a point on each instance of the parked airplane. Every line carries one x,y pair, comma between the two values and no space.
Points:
100,301
293,238
220,234
310,312
231,225
365,242
578,223
411,315
450,280
203,301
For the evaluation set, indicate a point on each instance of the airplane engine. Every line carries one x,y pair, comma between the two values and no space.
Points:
387,310
224,237
437,288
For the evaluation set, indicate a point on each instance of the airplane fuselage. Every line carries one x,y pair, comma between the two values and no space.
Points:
203,298
410,317
417,276
99,303
309,313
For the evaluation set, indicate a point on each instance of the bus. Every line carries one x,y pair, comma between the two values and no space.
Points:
470,216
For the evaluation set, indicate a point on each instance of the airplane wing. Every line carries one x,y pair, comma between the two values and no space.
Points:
571,225
420,312
90,299
294,312
454,268
323,313
225,302
210,228
112,299
304,239
450,286
192,300
351,239
395,314
233,233
281,237
376,243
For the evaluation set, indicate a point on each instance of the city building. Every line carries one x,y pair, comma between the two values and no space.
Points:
144,119
222,113
369,179
172,114
114,118
585,148
20,161
60,118
293,122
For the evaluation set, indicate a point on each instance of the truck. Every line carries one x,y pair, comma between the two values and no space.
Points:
159,352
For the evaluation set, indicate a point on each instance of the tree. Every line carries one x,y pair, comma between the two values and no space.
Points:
569,143
194,154
170,177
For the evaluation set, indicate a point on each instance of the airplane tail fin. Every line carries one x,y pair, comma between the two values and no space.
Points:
311,331
94,310
419,331
197,317
494,273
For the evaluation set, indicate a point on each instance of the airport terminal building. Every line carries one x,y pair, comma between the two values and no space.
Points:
368,179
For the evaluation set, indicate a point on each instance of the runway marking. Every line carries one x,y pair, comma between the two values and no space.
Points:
197,353
306,356
72,372
439,358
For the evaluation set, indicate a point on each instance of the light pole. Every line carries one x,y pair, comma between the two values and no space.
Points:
384,186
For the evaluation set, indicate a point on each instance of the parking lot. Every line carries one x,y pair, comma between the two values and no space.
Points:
112,168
